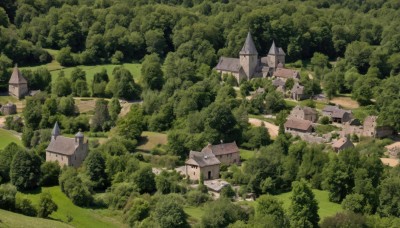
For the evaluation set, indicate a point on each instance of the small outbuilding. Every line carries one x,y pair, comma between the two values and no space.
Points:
202,163
17,85
298,125
341,144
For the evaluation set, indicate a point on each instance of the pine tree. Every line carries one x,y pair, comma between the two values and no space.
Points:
304,208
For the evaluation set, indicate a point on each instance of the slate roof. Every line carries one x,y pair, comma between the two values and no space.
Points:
275,51
299,124
16,77
220,149
330,108
339,113
202,159
285,73
249,47
306,110
340,142
228,64
56,130
62,145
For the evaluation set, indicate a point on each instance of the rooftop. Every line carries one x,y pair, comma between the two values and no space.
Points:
202,159
223,148
299,124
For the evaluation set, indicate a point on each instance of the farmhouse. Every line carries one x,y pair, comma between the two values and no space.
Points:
18,85
341,144
298,125
337,114
248,65
226,153
304,113
202,163
67,151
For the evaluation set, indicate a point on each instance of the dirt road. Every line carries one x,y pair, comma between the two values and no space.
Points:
272,129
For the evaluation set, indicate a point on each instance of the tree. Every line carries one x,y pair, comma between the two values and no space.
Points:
114,109
267,205
139,210
131,126
344,219
144,180
25,170
46,205
123,85
389,198
65,57
304,208
66,106
155,42
24,206
95,166
62,86
319,60
169,213
101,117
50,172
257,137
357,54
6,157
228,192
152,75
223,213
354,203
7,196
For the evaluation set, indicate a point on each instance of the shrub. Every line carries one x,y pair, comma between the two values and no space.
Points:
46,205
196,197
324,120
24,206
7,196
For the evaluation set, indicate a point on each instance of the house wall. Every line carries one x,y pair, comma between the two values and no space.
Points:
193,172
18,90
228,159
299,113
79,156
249,64
61,159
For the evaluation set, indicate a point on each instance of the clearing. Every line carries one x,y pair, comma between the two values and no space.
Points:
150,140
10,219
345,102
272,129
81,217
7,137
246,154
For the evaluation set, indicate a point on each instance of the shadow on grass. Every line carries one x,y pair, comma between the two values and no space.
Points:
143,140
35,191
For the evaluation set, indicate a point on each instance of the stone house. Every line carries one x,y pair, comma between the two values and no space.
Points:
279,84
298,125
226,153
67,151
297,92
248,65
304,113
337,114
8,109
341,144
285,74
17,85
371,128
202,163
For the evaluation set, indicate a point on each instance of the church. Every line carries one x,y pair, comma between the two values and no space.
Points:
248,65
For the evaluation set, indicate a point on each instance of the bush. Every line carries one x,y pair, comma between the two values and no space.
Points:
46,205
228,192
324,120
50,173
139,210
24,206
7,196
196,197
344,219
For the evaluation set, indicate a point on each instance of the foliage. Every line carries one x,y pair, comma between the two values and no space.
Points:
46,205
25,170
389,197
50,172
304,208
139,210
101,117
169,213
224,213
6,157
95,165
344,219
144,180
24,206
72,185
268,206
7,196
131,126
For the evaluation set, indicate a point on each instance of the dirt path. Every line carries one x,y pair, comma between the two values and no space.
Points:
272,129
2,121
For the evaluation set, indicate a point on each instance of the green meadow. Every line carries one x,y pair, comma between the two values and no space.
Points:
6,137
14,220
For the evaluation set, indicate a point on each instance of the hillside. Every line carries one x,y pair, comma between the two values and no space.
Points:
10,219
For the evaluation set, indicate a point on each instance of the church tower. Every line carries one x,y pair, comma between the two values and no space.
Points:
276,56
249,57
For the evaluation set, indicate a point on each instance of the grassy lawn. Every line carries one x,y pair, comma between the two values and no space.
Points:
82,217
10,219
7,138
7,99
150,140
323,129
195,214
246,154
326,208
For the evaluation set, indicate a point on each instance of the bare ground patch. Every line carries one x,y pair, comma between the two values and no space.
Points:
272,129
345,102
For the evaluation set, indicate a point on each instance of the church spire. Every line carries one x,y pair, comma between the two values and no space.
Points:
56,130
249,48
273,50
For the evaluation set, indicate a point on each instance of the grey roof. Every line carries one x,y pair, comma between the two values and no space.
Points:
62,145
56,130
278,82
223,148
330,108
79,134
299,124
16,77
202,159
286,73
339,113
228,64
341,142
249,47
275,51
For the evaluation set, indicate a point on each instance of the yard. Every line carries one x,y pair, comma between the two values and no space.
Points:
6,137
324,129
150,140
246,154
81,217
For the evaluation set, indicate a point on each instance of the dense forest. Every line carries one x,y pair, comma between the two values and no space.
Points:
350,47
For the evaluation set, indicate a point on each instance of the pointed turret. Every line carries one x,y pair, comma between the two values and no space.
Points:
79,137
273,50
56,131
249,48
16,77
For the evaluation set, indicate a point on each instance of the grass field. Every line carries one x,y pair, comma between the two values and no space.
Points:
323,129
7,137
195,214
246,154
7,99
326,208
13,220
150,140
82,217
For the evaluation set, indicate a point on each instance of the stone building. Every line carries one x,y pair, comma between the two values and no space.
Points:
304,113
8,109
285,74
226,153
297,92
298,125
202,163
18,85
371,128
341,144
248,65
337,114
67,151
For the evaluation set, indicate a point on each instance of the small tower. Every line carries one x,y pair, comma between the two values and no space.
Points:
18,85
276,57
79,137
249,57
55,132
